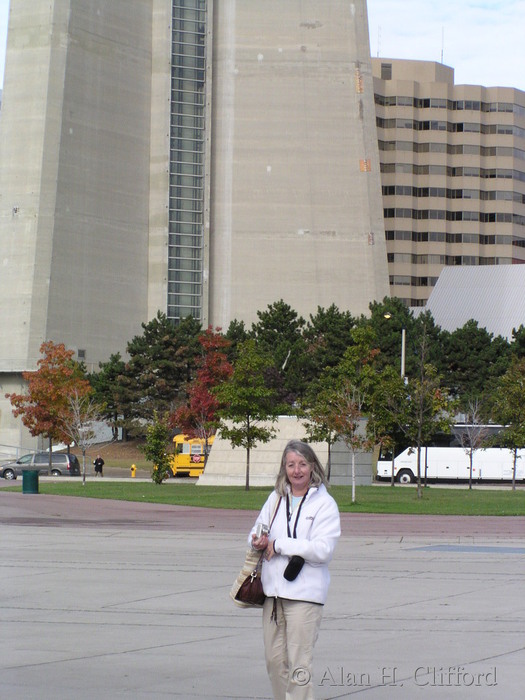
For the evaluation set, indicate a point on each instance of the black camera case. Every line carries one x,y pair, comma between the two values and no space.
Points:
294,567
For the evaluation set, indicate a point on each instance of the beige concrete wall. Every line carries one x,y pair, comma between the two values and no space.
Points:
100,246
74,148
426,71
227,466
159,158
74,183
296,214
29,126
14,436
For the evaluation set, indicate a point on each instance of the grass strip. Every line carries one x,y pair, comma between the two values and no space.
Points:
369,499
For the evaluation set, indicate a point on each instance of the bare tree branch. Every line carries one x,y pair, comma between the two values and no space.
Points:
79,424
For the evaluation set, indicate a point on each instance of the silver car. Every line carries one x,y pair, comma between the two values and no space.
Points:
61,465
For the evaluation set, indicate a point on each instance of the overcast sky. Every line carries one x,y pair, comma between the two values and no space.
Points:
483,40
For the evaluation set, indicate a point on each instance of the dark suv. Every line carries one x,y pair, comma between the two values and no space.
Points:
61,465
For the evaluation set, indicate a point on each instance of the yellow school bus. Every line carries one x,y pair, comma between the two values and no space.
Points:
188,457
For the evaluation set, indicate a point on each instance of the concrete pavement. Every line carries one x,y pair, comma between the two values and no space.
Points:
105,599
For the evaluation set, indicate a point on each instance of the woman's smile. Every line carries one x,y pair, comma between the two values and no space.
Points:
299,473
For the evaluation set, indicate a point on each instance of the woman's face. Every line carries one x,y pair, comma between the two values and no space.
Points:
298,472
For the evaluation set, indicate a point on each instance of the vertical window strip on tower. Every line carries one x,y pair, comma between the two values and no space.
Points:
187,154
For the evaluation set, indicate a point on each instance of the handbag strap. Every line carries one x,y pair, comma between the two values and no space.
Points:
259,563
275,512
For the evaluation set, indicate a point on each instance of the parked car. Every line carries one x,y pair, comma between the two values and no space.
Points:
61,465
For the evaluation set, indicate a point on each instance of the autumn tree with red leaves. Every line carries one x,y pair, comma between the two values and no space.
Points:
46,403
198,418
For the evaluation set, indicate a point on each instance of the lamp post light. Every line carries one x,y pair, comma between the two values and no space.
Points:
388,315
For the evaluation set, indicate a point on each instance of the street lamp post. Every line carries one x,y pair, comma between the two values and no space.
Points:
403,352
388,315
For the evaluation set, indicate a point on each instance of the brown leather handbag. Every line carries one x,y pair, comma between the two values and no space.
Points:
247,590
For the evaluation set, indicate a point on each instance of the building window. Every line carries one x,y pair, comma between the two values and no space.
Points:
386,71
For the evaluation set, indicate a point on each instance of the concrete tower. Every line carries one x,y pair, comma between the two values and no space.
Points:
74,183
295,207
199,157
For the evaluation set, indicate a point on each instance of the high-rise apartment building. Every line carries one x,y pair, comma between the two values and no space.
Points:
452,173
203,157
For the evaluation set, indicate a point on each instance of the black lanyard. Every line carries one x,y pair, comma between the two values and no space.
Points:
289,514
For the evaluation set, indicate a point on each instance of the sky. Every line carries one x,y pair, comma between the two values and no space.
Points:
483,40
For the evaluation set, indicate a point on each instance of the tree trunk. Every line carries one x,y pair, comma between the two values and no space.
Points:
83,467
247,485
419,489
353,476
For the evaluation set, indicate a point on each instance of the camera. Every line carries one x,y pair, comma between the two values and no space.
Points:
261,530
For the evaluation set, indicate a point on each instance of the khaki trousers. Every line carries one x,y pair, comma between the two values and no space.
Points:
289,642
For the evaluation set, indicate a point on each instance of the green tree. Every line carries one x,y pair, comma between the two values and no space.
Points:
475,358
338,399
425,332
387,320
104,383
279,335
518,341
327,336
235,335
248,405
383,425
316,410
418,409
509,409
156,448
345,419
161,365
357,375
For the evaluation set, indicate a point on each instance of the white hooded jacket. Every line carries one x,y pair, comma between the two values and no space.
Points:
318,529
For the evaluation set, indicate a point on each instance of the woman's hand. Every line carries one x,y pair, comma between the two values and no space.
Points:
260,543
270,551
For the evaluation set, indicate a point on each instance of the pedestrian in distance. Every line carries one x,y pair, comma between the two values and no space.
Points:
305,527
99,464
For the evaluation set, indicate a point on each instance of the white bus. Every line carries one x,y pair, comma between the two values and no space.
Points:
453,464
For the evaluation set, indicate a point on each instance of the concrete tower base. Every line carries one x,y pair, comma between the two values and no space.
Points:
227,466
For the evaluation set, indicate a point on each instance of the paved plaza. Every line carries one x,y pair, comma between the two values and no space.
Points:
109,600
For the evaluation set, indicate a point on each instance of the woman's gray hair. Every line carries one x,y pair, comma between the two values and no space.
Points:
303,449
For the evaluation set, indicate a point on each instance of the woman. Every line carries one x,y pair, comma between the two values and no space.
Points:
304,530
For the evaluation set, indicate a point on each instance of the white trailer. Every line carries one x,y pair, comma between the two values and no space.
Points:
453,464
